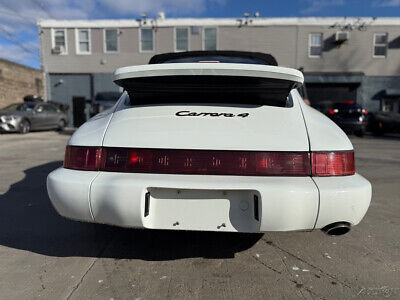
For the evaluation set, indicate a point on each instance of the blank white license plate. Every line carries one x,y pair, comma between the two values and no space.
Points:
214,210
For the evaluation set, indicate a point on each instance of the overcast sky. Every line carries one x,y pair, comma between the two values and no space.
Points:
19,37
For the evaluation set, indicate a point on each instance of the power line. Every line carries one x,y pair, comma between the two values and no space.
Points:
23,48
15,14
43,8
10,37
10,34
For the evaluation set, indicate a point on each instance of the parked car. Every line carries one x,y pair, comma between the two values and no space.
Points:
207,144
349,116
27,116
61,106
384,122
103,101
36,98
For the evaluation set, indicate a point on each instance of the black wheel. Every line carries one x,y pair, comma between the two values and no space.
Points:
61,125
359,132
378,129
24,127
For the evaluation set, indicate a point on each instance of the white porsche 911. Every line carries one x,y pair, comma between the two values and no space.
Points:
217,141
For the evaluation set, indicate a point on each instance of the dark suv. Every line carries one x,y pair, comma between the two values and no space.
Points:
349,116
382,122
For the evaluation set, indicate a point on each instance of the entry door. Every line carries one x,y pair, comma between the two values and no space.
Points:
79,110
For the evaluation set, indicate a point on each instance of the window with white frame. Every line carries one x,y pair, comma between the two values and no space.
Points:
60,40
315,44
181,39
210,39
380,44
146,39
83,41
111,40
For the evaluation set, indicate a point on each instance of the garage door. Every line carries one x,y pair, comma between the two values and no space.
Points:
322,92
64,87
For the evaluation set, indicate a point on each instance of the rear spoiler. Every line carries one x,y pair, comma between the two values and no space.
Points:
262,83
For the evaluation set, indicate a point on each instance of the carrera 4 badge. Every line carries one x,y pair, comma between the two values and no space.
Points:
187,113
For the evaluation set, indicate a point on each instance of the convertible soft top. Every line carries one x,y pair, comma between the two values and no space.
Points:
250,57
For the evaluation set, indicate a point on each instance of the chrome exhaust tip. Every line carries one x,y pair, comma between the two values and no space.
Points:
338,228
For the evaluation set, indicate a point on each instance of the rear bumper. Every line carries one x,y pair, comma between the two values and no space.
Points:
215,203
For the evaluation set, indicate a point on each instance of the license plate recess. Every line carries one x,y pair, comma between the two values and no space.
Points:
195,209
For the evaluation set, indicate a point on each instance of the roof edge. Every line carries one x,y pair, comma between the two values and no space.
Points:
253,22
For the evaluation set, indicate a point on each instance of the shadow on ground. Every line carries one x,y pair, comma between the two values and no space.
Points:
29,222
67,131
386,137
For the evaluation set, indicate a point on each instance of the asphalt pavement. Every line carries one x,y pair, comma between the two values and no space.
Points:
44,256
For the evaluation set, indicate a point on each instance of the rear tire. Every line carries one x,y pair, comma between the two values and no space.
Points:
24,127
376,126
378,130
61,125
359,133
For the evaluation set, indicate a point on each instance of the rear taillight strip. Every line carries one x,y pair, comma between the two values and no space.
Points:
209,162
82,158
332,163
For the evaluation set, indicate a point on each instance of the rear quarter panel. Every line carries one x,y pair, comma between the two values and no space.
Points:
92,132
323,133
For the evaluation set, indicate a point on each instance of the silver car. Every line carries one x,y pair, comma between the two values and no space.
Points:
27,116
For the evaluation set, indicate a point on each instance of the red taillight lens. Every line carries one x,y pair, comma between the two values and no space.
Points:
332,163
331,112
82,158
205,162
164,161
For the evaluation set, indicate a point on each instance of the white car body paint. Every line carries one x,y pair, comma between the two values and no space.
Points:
69,191
213,69
346,198
323,133
210,202
92,132
150,127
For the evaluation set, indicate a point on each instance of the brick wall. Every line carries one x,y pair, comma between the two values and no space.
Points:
17,81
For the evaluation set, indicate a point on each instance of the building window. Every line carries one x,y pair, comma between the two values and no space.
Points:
83,41
59,41
315,45
380,44
111,40
181,39
210,39
146,40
